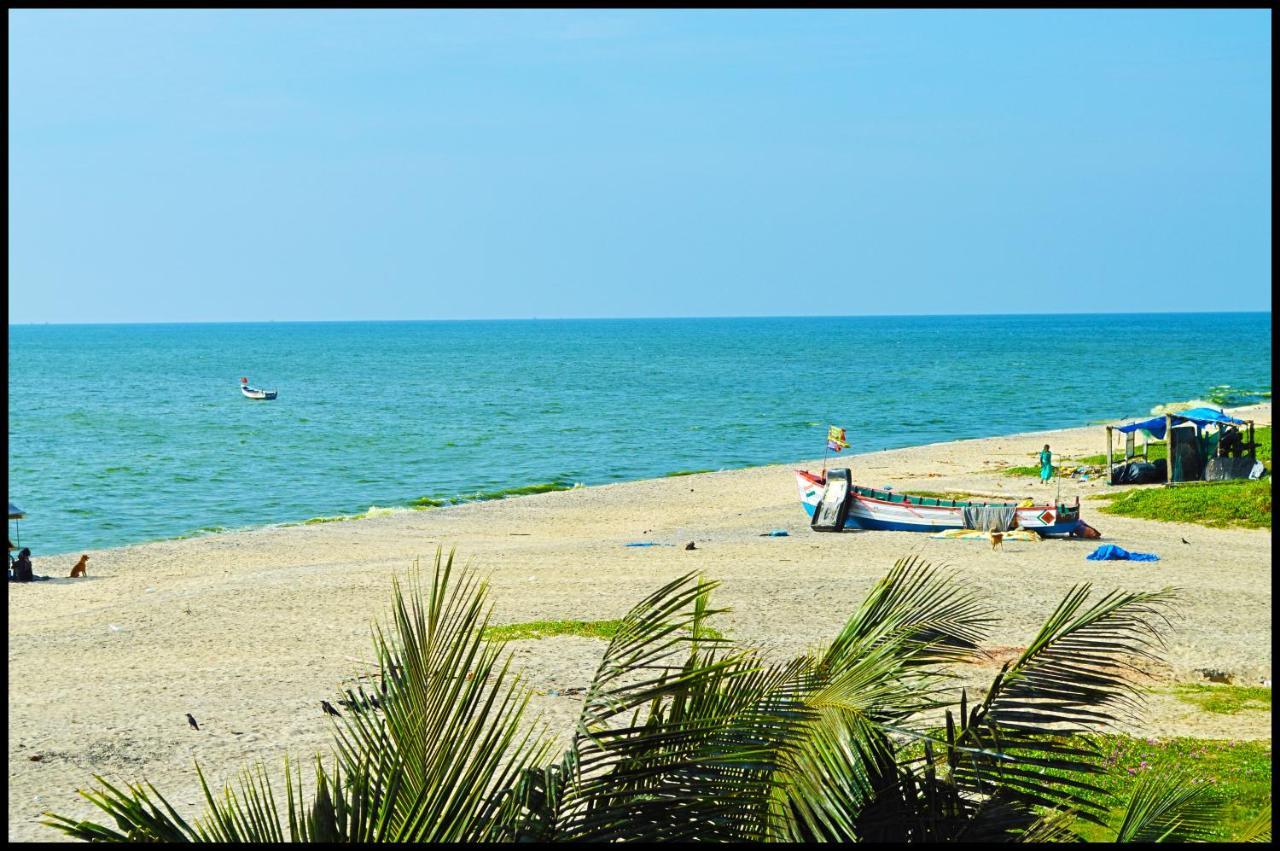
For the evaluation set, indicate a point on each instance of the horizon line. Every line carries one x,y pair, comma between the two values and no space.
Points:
648,318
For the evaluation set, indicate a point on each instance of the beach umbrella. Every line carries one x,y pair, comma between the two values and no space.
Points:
16,513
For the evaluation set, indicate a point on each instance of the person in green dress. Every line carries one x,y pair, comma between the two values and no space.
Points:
1046,464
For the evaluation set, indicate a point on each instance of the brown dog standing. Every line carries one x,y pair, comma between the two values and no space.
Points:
997,540
78,570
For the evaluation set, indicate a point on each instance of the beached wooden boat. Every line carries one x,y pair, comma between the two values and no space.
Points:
254,392
840,504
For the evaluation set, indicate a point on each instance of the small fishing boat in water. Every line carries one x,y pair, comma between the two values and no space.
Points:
835,503
254,392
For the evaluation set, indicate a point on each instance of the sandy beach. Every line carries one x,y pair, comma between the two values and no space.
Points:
249,630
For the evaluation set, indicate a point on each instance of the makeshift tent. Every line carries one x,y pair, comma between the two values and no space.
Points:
15,513
1201,417
1198,448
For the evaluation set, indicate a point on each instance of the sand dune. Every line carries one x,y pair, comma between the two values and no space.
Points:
249,630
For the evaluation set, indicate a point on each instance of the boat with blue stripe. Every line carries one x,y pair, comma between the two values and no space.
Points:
834,503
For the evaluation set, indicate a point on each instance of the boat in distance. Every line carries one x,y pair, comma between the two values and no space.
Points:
254,392
834,503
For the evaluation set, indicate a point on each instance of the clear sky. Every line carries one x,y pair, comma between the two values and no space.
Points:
303,165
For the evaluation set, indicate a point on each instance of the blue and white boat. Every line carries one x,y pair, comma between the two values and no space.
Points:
839,504
254,392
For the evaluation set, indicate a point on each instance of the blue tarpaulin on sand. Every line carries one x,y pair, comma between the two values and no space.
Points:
1200,416
1110,552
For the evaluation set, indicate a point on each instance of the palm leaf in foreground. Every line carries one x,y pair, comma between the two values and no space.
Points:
1258,830
1165,806
433,767
1008,756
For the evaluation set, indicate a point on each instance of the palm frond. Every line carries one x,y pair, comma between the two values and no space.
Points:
449,742
1258,830
884,667
689,761
1072,679
1165,806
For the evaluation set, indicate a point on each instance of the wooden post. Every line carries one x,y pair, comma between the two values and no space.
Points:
1109,442
1168,445
1253,447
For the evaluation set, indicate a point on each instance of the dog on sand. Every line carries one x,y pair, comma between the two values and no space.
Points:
78,570
997,540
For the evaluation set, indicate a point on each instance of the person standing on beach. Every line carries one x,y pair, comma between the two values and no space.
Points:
1046,465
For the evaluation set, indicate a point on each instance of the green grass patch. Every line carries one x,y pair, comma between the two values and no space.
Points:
1245,504
1224,699
1238,772
425,502
1155,451
1020,471
685,473
583,629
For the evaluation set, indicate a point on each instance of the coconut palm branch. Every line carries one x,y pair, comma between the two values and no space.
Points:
671,741
684,736
432,767
1009,754
1258,830
1165,806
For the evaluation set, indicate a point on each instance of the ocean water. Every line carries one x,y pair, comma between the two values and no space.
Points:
126,433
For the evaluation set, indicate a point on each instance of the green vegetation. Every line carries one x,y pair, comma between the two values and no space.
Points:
1231,397
311,521
584,629
1154,452
424,502
683,736
1219,504
1225,699
686,473
1020,471
546,629
1237,774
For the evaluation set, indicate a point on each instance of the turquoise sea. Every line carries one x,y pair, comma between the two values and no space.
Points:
126,433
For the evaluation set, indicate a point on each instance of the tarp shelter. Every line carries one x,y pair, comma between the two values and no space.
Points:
15,513
1194,454
1200,416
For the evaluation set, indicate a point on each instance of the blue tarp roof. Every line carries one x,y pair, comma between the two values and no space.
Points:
1199,416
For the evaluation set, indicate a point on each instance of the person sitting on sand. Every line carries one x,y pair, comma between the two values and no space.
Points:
1046,465
22,567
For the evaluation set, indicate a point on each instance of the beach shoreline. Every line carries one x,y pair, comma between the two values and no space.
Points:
249,629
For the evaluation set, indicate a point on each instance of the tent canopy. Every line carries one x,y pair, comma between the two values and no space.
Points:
15,512
1200,416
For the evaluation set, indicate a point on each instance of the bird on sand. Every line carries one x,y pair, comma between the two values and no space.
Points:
1184,540
690,546
192,722
328,707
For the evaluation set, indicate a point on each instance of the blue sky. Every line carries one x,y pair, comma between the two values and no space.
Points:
421,164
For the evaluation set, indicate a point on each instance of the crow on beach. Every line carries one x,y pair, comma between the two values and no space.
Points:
192,721
328,707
